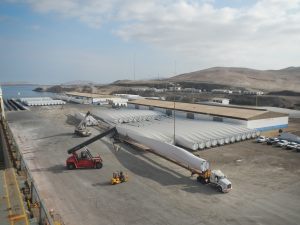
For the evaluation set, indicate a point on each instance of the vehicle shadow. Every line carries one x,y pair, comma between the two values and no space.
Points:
56,135
71,120
106,183
59,168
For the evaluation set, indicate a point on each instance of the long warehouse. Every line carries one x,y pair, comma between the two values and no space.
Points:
259,119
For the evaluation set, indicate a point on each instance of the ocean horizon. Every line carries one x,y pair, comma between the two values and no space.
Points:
22,91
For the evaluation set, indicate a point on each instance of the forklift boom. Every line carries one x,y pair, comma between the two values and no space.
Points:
91,140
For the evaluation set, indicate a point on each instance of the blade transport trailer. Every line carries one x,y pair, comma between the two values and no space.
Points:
205,174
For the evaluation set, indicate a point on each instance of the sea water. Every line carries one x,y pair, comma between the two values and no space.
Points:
22,91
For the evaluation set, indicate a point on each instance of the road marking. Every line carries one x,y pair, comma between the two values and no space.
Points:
20,199
7,197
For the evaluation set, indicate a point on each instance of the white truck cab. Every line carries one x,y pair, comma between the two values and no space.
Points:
220,180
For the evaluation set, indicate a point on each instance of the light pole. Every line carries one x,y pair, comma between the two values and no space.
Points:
174,114
174,89
256,100
134,66
174,120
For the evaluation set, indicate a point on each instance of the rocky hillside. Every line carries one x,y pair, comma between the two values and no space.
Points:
268,80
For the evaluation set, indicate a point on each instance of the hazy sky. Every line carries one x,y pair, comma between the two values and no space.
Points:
55,41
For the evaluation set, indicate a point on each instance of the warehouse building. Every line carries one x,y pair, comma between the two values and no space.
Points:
258,119
90,98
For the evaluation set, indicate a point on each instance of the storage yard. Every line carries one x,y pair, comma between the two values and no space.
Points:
149,112
266,185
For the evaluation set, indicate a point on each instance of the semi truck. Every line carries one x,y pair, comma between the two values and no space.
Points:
180,157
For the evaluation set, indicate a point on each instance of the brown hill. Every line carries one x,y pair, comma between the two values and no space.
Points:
269,80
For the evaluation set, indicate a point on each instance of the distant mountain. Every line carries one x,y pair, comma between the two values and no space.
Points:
292,69
121,81
79,82
269,80
16,83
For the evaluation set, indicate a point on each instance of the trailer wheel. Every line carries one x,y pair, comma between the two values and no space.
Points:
99,165
202,180
220,189
71,166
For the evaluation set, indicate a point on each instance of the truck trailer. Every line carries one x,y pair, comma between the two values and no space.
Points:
180,157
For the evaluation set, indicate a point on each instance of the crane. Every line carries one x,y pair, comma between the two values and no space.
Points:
81,129
85,159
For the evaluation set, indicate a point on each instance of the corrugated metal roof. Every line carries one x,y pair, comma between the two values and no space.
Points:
268,114
214,110
89,95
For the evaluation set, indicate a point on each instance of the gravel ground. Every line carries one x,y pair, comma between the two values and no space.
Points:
266,184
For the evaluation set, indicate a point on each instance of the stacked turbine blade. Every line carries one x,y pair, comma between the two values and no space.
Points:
192,134
41,101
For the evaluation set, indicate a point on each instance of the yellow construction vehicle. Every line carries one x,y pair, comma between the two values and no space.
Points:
118,177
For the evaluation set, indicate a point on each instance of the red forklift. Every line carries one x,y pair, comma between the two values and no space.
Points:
81,156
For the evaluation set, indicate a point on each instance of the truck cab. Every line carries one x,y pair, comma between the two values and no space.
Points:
220,180
82,132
